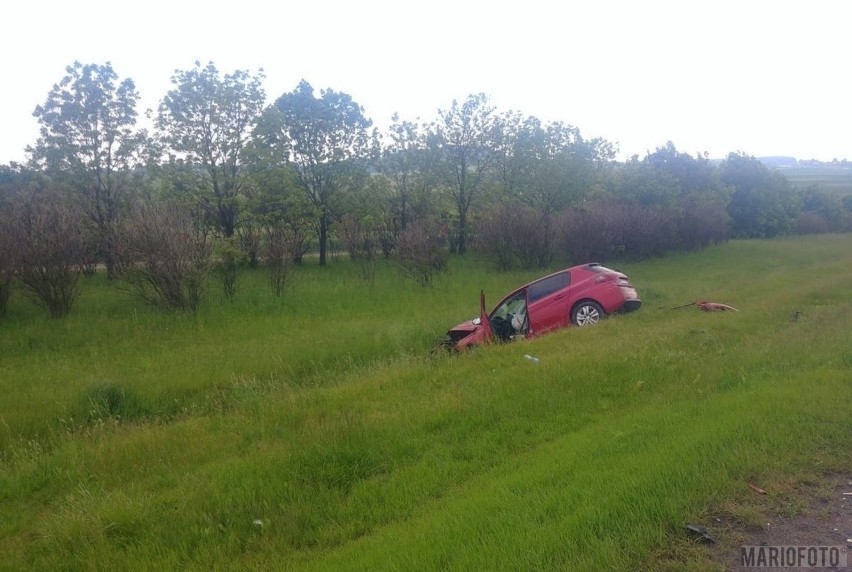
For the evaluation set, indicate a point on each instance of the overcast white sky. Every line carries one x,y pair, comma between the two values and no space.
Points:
762,77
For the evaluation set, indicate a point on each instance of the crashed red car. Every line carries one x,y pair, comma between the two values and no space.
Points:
581,295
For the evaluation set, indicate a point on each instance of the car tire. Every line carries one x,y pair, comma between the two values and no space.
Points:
587,313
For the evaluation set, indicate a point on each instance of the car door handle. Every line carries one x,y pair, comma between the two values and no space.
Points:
559,297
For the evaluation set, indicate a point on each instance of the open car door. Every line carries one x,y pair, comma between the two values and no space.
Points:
484,323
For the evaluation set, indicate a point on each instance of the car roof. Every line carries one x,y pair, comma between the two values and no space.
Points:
586,266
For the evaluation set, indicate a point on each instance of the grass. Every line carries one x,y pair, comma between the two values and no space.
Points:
827,178
313,432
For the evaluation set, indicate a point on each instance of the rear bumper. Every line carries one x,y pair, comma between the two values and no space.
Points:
631,305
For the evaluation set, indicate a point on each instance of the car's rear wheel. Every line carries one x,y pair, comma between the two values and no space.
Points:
587,313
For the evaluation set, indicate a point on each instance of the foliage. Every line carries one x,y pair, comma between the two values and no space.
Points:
8,261
47,236
410,166
249,236
207,120
168,257
514,235
278,256
420,251
763,203
324,140
462,139
88,137
361,243
547,166
311,165
228,259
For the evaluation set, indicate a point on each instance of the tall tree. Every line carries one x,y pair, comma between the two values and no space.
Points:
207,120
88,135
463,137
408,165
324,139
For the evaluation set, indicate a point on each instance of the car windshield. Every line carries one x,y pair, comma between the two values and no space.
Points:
514,305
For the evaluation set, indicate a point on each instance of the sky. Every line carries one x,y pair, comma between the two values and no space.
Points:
712,76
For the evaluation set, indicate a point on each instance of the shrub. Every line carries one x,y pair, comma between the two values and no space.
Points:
704,222
7,264
47,236
249,236
361,243
168,257
420,251
812,223
515,235
605,230
278,256
229,258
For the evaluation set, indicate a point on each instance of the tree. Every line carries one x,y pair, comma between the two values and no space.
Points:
207,120
763,203
88,135
463,138
324,139
693,174
409,167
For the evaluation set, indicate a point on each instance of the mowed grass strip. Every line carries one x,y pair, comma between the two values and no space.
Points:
591,459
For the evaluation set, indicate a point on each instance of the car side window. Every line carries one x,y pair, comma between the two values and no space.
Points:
549,285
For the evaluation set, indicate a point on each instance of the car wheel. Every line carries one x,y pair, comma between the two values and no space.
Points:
587,313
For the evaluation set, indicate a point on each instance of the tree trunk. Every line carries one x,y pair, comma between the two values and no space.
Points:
323,236
461,239
110,246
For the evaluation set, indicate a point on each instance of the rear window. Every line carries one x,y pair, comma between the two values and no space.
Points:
600,268
549,285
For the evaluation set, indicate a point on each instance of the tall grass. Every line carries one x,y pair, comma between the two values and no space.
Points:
316,433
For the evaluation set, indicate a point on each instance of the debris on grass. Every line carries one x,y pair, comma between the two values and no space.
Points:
708,306
756,489
701,532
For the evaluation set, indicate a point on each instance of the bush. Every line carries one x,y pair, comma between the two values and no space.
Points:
249,236
420,251
361,243
47,236
812,223
278,255
605,230
515,235
168,257
229,258
7,265
704,222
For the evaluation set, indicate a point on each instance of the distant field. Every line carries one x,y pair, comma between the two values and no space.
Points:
827,178
316,432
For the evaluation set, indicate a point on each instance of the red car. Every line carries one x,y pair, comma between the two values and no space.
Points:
580,295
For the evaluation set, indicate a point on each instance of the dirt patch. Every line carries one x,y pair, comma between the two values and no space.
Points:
791,514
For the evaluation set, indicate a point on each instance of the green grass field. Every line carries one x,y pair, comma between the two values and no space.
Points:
831,178
317,432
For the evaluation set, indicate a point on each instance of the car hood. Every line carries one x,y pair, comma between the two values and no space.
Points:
466,327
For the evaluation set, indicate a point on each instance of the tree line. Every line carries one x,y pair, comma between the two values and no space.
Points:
224,180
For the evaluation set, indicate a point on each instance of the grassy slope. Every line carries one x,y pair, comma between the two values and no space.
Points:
359,453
